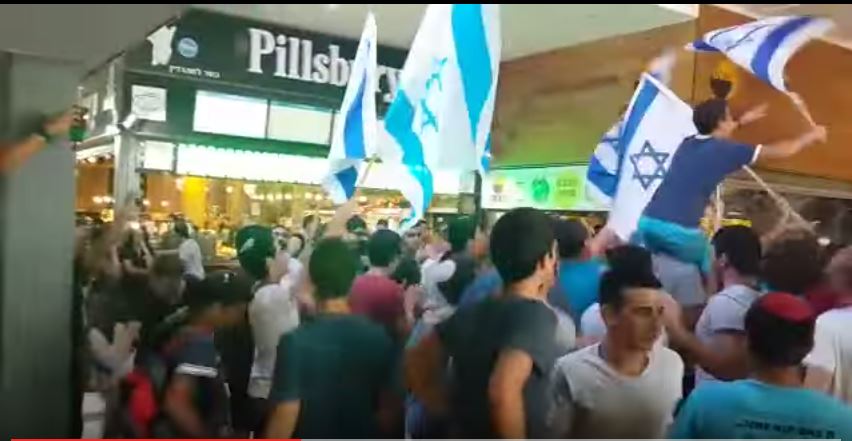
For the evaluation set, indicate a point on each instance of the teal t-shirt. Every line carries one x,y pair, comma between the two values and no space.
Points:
749,409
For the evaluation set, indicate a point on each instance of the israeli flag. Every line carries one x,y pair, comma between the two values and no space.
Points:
602,174
656,123
354,136
763,47
441,115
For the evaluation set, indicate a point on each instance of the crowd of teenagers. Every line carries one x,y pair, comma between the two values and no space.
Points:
528,328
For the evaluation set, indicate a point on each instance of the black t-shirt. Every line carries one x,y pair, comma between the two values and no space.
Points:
192,352
336,366
475,336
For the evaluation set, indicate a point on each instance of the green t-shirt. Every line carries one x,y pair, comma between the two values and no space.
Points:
336,366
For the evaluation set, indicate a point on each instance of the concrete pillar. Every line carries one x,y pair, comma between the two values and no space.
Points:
126,179
36,252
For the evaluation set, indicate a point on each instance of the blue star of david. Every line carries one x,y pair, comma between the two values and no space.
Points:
429,119
659,159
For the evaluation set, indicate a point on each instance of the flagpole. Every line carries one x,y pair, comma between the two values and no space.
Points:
782,203
802,107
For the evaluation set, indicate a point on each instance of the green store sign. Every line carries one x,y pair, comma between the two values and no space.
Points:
560,188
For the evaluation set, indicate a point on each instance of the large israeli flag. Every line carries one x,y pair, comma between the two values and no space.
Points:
763,47
602,174
656,123
441,115
354,136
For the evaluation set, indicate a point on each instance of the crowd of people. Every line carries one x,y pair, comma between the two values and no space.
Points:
533,327
521,330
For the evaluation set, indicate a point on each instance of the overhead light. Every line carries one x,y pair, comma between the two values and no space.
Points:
98,200
362,199
309,195
332,7
279,196
317,197
107,200
164,203
146,202
229,189
288,197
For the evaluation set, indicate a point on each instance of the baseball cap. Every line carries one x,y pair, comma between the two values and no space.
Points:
254,244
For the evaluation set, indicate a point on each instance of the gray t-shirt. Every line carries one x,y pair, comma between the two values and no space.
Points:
680,279
725,312
592,400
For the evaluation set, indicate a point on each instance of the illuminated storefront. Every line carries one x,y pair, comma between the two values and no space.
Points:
227,120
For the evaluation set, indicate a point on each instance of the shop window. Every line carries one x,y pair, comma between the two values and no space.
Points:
288,122
230,114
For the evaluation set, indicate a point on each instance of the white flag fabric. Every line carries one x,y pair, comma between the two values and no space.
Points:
602,174
354,136
656,123
764,46
441,115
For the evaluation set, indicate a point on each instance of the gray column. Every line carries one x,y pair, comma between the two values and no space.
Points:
126,179
36,251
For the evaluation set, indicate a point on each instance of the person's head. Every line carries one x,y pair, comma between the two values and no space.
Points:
523,248
630,300
779,330
332,268
413,239
259,255
839,272
384,249
166,278
737,249
181,228
460,232
382,224
713,117
572,237
407,273
219,300
793,263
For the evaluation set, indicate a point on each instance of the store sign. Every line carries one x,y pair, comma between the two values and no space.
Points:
222,48
546,188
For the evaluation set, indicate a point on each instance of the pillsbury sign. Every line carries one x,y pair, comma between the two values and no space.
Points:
295,58
220,49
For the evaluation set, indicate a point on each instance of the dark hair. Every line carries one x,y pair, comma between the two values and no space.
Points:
255,243
382,223
167,266
571,236
181,228
709,114
459,232
384,246
224,288
356,224
793,264
407,273
741,247
307,220
463,276
630,266
332,268
520,240
780,329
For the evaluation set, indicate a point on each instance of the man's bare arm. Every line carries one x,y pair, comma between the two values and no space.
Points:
282,420
505,393
424,367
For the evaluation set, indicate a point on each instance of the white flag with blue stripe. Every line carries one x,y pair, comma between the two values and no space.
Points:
656,123
764,46
441,115
354,136
602,174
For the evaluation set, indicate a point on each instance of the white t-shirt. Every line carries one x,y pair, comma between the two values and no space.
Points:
725,312
833,350
190,255
592,400
273,312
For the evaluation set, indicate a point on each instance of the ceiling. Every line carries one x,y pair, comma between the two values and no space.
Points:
87,33
841,14
527,28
